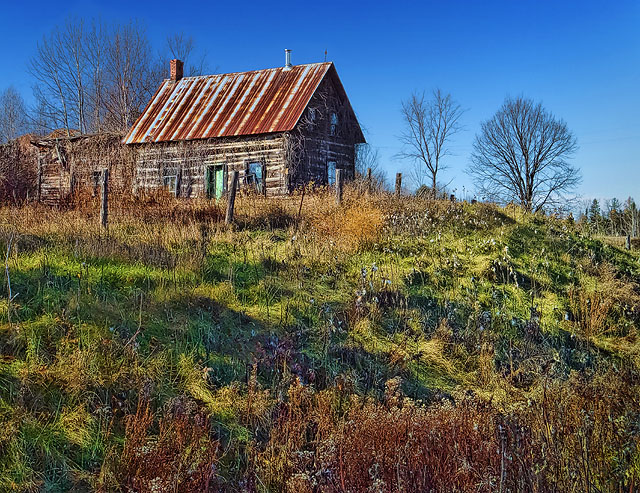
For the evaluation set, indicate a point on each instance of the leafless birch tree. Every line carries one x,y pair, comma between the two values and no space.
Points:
131,74
13,115
429,127
91,76
521,155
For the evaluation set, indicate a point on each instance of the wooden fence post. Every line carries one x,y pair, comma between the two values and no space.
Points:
232,197
369,181
398,183
339,185
627,242
178,182
104,204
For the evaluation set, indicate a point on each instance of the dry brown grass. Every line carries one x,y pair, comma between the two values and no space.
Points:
180,456
575,436
354,226
592,304
164,221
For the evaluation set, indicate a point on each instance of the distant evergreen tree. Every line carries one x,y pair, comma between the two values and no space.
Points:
614,217
615,205
593,212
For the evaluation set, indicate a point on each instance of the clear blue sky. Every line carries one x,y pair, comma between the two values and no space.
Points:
581,59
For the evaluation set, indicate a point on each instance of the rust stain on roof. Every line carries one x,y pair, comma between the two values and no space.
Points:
225,105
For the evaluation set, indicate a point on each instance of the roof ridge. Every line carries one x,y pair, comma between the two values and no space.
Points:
249,71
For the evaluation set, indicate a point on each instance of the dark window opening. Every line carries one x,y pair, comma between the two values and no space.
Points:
255,176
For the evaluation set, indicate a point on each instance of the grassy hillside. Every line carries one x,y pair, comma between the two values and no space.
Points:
388,345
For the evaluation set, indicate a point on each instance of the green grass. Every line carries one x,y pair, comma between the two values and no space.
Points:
427,301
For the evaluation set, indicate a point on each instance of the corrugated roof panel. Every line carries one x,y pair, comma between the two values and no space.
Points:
226,105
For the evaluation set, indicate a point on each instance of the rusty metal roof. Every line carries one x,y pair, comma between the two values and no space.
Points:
242,103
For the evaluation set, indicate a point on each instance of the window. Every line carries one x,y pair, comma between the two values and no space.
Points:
255,176
331,172
311,119
169,182
334,123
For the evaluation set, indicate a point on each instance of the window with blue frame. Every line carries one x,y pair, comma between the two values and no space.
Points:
255,175
170,180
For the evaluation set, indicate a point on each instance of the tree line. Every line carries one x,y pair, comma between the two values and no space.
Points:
615,218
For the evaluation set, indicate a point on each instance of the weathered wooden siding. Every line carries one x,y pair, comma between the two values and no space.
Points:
314,144
73,164
189,159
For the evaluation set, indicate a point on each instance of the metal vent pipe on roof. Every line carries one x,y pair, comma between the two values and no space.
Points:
287,57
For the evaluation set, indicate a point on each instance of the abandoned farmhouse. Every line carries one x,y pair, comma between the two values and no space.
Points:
279,128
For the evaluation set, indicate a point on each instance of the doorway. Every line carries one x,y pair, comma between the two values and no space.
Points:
214,181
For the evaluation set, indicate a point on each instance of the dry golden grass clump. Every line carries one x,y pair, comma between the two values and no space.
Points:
352,227
593,303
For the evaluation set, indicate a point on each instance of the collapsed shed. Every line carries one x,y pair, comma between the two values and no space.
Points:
67,163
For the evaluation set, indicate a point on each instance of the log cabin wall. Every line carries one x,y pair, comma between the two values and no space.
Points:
188,160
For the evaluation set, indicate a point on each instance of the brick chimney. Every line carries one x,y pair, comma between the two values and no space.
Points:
176,69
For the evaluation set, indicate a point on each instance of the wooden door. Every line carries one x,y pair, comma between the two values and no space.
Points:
219,169
214,181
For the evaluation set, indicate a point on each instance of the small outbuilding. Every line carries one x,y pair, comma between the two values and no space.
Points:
279,128
68,162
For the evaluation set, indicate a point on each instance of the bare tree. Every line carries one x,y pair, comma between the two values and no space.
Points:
521,155
97,43
429,127
75,63
131,76
51,82
368,157
13,115
93,77
40,120
183,48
